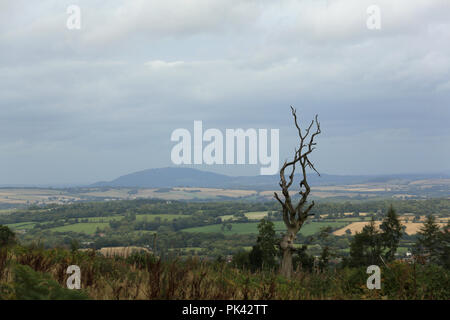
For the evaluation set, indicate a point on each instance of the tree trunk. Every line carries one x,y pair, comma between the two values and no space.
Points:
287,247
295,215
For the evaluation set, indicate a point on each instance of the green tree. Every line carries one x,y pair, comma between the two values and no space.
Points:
241,259
392,232
7,237
326,252
130,216
366,246
303,260
444,246
74,245
263,254
428,239
32,285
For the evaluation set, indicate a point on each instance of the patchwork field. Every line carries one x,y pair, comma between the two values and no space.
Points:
97,222
21,197
38,196
28,196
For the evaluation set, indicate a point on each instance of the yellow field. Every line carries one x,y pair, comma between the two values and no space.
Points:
220,192
411,228
20,196
121,251
29,196
316,192
256,215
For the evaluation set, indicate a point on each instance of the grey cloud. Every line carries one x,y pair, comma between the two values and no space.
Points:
104,100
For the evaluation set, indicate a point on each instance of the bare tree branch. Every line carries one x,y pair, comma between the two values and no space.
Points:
294,216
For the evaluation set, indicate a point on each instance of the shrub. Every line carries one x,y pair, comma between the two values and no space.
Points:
32,285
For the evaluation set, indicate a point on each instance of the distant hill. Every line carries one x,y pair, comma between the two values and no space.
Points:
168,177
187,177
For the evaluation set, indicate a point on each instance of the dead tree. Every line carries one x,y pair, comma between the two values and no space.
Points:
295,215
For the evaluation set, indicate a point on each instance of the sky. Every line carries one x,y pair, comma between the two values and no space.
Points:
90,104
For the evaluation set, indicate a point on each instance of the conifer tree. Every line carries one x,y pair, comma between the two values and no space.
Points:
366,246
392,232
428,239
444,246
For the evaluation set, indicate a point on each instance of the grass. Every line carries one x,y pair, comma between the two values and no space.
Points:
402,250
252,227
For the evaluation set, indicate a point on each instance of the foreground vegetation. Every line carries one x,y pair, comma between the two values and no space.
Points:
34,272
37,273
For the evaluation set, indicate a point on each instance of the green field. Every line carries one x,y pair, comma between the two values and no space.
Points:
252,227
102,222
139,217
402,250
21,225
7,211
88,228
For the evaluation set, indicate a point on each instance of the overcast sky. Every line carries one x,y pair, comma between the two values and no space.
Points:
78,106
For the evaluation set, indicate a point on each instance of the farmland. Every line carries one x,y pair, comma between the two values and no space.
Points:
12,198
213,228
88,228
139,217
257,215
410,227
252,228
